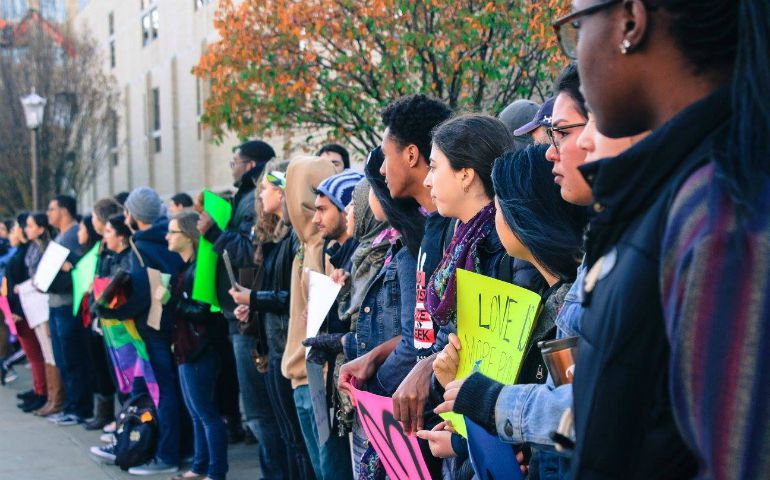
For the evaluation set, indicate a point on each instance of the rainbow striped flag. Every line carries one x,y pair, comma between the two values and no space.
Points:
129,356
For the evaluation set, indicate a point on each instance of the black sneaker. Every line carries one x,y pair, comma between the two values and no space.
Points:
33,404
106,452
25,395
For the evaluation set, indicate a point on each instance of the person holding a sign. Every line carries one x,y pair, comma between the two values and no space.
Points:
535,224
199,340
235,237
83,276
304,174
380,350
275,254
145,215
39,234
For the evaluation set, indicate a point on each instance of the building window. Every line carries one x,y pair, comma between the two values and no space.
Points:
111,38
114,138
156,119
150,21
202,3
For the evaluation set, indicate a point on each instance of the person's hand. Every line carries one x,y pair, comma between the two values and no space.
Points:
450,395
326,342
339,276
241,313
161,294
241,297
16,318
439,440
66,267
409,399
204,222
16,289
520,458
361,369
445,366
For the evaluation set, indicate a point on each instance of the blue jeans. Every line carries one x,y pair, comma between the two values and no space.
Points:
70,349
169,418
331,461
260,417
198,380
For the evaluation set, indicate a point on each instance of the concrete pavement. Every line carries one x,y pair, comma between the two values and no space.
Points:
32,448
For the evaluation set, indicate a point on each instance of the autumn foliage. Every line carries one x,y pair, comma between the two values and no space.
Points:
332,65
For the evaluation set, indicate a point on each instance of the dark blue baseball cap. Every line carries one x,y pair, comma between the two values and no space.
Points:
542,119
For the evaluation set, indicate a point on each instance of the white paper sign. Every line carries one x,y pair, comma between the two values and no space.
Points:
321,296
34,303
50,265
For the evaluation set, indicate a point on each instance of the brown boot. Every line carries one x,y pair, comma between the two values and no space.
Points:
55,392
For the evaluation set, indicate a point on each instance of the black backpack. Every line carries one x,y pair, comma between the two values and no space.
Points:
136,432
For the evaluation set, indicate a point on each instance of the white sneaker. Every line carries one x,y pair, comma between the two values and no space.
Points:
110,427
56,417
153,467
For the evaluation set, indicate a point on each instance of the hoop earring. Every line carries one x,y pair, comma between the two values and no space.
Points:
466,188
625,46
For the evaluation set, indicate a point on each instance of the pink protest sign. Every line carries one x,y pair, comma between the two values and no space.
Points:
399,453
6,309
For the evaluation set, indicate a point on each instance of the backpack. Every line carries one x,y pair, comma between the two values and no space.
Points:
136,432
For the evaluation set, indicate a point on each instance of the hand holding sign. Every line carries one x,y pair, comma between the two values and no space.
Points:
445,366
494,322
50,265
399,453
321,296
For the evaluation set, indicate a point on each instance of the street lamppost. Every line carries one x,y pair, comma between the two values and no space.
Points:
34,107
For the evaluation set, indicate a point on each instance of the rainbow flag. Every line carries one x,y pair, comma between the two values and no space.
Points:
129,356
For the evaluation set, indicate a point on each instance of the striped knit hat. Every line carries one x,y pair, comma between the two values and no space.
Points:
339,188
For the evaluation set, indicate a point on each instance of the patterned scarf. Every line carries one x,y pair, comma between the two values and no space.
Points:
441,300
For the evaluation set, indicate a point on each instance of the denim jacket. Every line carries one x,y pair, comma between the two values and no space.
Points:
386,312
529,413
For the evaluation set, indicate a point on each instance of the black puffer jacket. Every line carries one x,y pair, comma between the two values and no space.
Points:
16,272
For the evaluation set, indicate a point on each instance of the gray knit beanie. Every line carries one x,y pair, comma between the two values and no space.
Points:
144,205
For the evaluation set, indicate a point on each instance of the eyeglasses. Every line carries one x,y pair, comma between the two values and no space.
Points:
561,131
568,26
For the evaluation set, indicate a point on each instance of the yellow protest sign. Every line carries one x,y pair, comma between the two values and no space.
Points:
494,322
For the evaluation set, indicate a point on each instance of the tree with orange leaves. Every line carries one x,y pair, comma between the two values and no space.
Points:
332,65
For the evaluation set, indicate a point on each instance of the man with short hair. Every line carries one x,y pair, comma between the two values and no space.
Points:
337,154
179,203
539,124
514,116
68,336
246,166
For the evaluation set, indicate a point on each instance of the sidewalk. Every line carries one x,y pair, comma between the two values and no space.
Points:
32,448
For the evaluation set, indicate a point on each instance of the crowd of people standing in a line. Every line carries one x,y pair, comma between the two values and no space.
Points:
634,202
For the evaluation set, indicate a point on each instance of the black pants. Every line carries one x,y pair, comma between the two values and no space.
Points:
227,383
101,366
281,397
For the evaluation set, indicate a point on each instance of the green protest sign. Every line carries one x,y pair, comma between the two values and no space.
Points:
494,322
204,284
83,276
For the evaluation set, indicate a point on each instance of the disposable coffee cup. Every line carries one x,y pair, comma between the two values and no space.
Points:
559,358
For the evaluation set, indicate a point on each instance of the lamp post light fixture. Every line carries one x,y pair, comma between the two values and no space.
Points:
34,109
